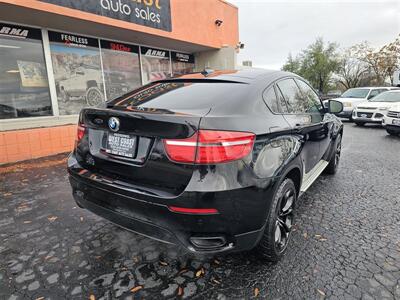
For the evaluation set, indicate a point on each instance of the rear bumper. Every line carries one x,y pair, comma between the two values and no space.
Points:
238,226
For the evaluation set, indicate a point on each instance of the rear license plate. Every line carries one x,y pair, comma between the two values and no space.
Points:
396,122
121,144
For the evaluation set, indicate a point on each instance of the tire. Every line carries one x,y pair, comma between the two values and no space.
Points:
360,123
94,97
277,232
335,159
392,132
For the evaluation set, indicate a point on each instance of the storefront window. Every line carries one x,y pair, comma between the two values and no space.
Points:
121,68
77,72
24,90
155,64
182,63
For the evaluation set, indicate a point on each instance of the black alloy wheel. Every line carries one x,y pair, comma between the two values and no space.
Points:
334,162
284,222
280,220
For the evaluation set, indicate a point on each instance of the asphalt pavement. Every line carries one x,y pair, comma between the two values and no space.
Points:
346,243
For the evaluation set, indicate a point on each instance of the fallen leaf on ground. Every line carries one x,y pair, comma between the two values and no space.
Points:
182,271
27,222
163,263
216,281
7,194
321,292
180,291
92,297
200,272
52,218
256,292
136,288
81,219
305,234
216,261
40,298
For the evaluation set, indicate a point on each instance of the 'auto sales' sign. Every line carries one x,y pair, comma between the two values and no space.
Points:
151,13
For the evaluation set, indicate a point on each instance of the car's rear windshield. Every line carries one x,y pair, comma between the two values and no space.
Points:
387,97
175,95
355,93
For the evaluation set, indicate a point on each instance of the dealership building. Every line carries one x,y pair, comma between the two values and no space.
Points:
58,56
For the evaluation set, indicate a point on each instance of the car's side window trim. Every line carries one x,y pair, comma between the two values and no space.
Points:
286,100
316,94
274,87
279,91
271,85
277,98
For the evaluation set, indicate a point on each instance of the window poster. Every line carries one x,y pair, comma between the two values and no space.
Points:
121,68
155,64
77,72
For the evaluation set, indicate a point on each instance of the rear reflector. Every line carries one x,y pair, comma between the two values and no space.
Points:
195,211
210,147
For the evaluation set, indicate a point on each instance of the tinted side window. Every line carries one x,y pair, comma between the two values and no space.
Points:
293,96
312,102
271,100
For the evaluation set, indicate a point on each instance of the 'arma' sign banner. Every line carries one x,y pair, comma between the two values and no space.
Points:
152,13
19,32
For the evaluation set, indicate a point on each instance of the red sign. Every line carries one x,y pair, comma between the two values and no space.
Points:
120,47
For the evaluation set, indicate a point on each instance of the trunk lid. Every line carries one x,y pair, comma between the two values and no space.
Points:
141,160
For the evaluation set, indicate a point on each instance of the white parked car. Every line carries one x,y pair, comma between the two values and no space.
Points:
373,110
352,97
391,120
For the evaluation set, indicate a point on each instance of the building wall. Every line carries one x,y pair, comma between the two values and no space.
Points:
193,21
18,145
221,59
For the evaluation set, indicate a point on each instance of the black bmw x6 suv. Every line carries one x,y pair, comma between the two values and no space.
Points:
213,161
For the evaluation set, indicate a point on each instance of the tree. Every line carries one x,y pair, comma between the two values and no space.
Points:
390,58
351,70
383,62
316,64
292,64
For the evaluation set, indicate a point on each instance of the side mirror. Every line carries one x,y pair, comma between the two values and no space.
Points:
335,107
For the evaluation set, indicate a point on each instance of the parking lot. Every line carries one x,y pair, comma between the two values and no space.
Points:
346,242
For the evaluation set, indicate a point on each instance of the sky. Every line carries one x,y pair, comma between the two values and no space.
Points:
271,29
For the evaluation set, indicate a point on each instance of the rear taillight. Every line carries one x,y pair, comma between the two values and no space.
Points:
210,147
80,132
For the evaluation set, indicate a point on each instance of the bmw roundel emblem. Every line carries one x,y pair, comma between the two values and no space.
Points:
113,123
